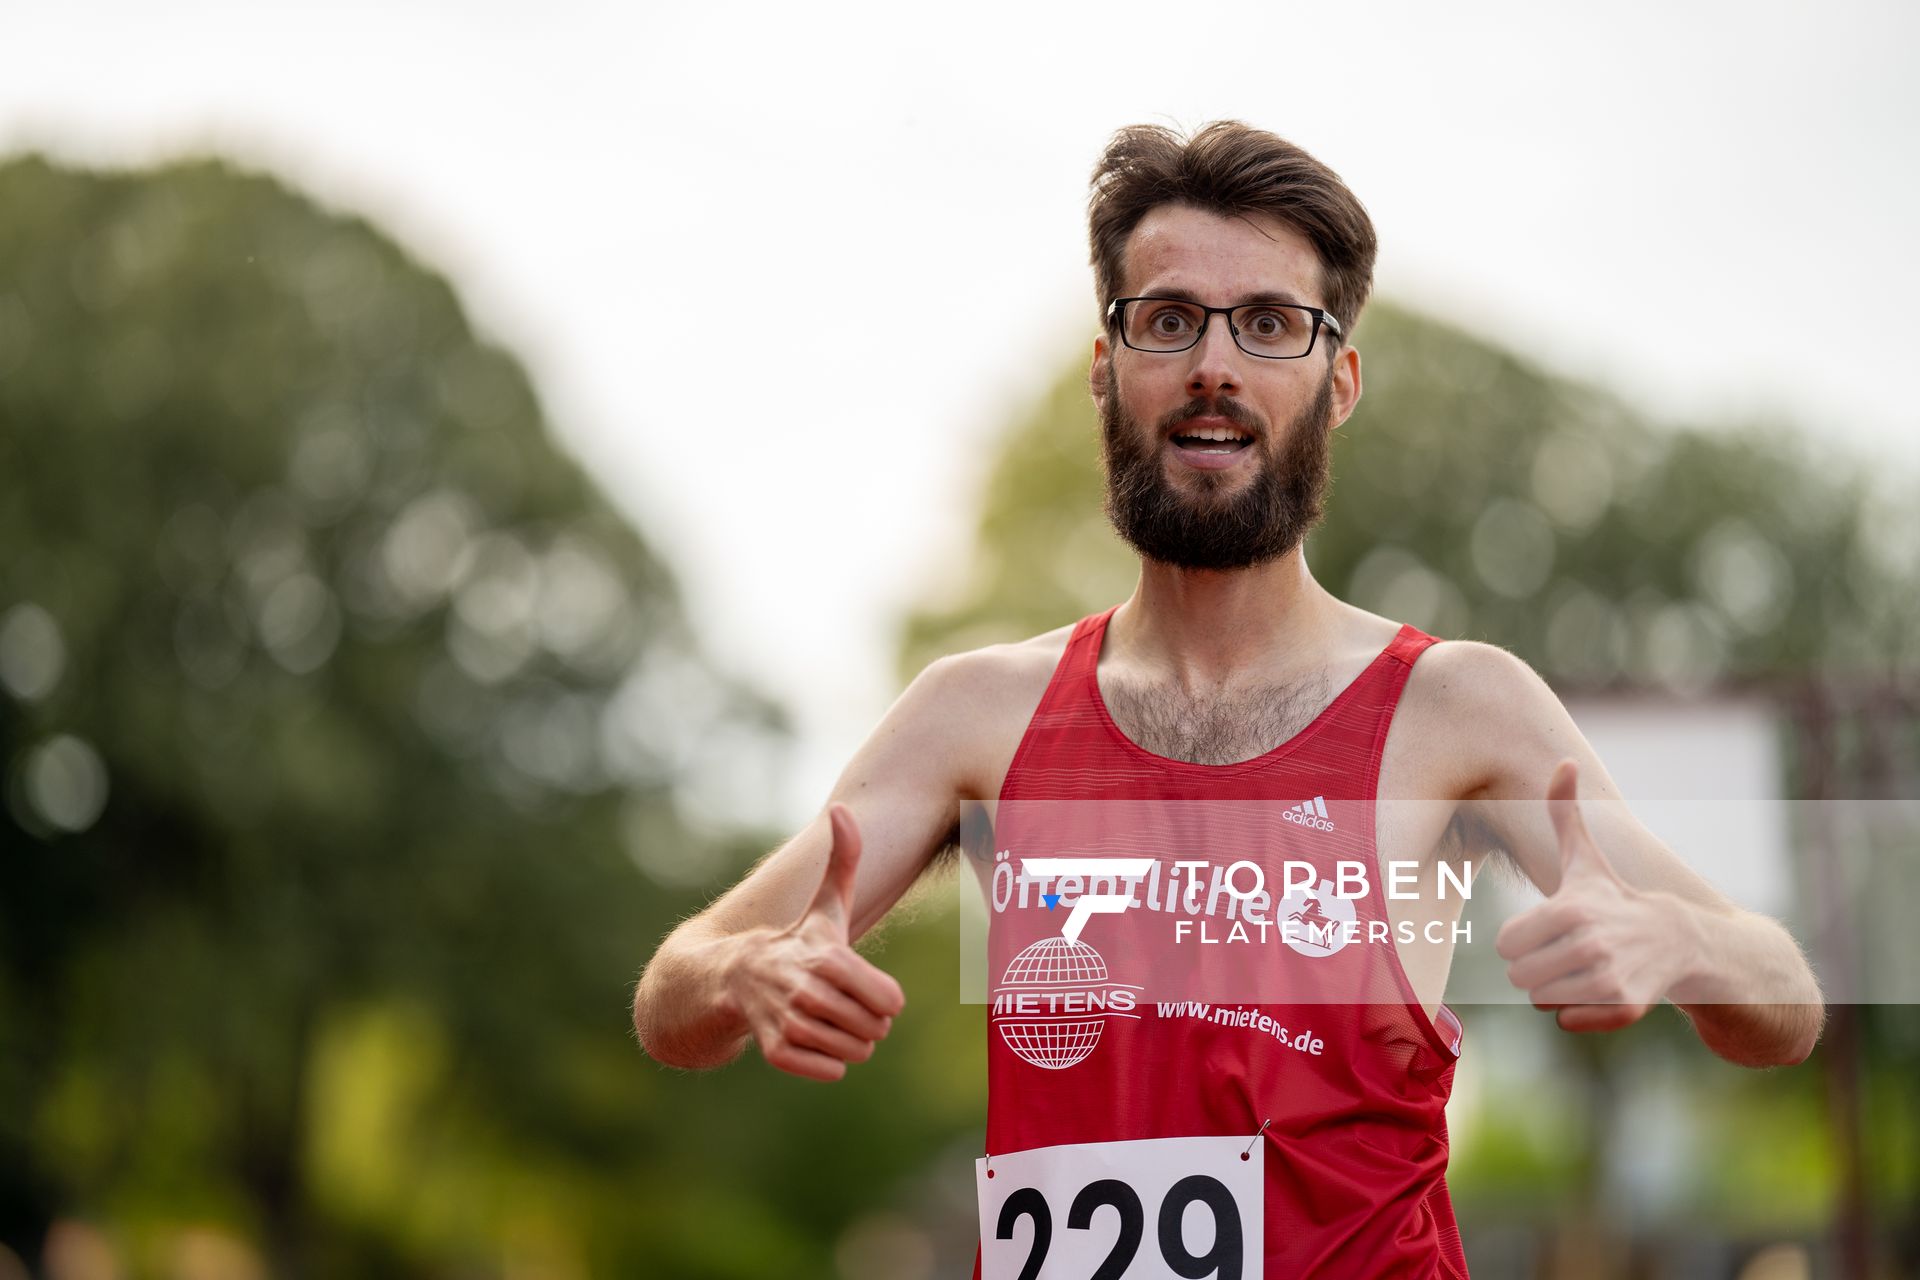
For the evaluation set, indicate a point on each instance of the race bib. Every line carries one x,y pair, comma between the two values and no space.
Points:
1142,1210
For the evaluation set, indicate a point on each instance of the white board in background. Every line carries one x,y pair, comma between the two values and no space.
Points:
1705,776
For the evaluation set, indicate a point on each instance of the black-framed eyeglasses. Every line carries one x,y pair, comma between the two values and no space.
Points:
1269,330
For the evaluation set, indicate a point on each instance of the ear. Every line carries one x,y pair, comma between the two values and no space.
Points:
1346,384
1097,372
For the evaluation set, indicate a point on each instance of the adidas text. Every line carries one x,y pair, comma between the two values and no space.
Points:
1310,813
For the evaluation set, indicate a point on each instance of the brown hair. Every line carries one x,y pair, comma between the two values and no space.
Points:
1230,168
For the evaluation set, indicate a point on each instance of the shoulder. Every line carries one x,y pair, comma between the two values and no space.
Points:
1493,712
995,672
1471,676
1468,684
985,686
978,701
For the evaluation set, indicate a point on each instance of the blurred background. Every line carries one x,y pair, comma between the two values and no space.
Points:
471,475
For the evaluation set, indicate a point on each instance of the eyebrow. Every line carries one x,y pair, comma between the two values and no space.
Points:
1187,295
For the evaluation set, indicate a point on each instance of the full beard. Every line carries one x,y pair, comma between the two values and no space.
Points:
1208,529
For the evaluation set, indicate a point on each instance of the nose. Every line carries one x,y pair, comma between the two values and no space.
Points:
1216,361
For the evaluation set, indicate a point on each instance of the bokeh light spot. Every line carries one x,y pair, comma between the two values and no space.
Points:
32,654
66,783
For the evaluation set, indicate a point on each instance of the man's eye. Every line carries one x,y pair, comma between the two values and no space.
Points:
1171,320
1266,324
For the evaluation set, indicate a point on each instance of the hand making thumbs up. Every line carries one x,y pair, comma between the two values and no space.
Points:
1598,951
1580,857
811,1002
832,904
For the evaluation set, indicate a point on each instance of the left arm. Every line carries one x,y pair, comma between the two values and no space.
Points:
1626,923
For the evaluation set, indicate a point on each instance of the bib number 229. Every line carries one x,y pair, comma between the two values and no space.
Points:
1185,1207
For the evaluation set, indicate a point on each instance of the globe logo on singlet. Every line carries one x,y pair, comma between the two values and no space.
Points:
1315,922
1054,1001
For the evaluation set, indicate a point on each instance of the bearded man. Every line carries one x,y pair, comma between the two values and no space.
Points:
1298,1130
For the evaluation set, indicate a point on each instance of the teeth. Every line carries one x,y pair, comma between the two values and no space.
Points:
1216,433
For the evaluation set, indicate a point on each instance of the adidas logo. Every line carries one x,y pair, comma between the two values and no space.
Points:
1310,813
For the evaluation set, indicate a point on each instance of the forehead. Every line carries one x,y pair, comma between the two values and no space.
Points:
1219,259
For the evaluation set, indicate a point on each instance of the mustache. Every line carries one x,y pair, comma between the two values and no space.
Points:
1225,407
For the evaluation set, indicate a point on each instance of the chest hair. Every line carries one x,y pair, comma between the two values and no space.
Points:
1222,727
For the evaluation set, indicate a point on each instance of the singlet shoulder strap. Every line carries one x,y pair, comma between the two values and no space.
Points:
1079,660
1409,644
1376,696
1065,711
1083,648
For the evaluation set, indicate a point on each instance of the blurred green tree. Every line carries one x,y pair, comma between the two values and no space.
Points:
336,710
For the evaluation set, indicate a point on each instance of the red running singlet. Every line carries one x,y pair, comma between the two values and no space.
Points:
1352,1093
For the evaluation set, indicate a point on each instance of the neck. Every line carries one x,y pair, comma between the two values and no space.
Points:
1207,628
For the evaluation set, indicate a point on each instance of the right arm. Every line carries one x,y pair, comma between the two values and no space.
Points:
772,959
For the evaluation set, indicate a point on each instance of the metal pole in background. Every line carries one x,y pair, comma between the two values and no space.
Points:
1815,715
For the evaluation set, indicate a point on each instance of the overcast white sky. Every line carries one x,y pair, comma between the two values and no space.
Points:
614,187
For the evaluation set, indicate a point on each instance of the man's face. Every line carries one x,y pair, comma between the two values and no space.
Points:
1187,503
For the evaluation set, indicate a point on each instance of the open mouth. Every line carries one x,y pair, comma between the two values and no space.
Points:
1212,442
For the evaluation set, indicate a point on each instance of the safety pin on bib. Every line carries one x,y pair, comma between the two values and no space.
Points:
1244,1155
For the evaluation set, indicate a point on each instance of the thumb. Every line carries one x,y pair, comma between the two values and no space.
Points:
1579,854
834,898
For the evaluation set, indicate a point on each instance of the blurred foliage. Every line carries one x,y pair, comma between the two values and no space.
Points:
346,729
1476,496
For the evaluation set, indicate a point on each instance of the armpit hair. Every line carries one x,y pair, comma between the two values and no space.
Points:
1470,841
